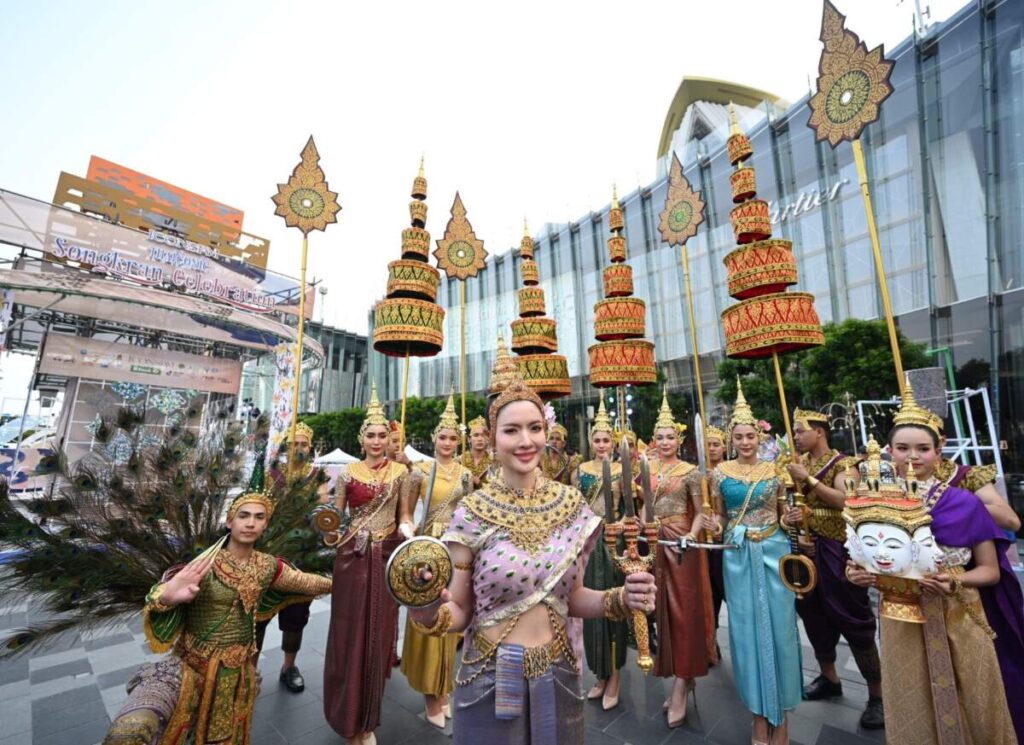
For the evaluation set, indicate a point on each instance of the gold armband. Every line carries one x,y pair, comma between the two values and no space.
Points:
615,604
813,482
467,567
153,600
440,626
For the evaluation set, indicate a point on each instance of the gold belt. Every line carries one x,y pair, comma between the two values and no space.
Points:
536,660
232,655
679,517
379,535
829,523
759,535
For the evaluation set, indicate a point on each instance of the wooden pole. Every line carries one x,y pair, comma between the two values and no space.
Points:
298,353
462,360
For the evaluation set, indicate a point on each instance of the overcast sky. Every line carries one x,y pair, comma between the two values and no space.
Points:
528,108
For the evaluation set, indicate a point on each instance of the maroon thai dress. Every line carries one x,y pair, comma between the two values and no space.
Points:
364,618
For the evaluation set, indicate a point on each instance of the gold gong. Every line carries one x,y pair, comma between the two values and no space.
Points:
408,564
798,573
326,519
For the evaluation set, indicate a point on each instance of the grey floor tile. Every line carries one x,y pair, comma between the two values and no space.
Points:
23,738
116,677
398,725
83,735
71,697
15,718
296,721
45,723
12,671
106,641
267,735
64,670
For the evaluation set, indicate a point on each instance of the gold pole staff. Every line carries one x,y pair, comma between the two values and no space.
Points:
305,203
461,255
852,84
683,213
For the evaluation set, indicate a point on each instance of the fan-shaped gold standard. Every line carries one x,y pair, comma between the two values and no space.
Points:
407,566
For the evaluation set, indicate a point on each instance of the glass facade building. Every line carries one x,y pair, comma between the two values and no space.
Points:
946,171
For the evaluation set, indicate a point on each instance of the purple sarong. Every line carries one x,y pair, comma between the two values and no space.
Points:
960,519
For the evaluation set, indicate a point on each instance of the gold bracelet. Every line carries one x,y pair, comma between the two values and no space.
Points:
813,482
467,567
615,604
153,601
441,624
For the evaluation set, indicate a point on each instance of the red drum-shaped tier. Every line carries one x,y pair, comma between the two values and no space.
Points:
403,325
761,268
415,244
547,374
529,271
629,361
414,279
531,302
739,148
782,322
534,335
526,247
617,248
618,280
619,318
744,184
751,221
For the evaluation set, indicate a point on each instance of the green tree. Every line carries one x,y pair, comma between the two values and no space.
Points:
855,359
337,429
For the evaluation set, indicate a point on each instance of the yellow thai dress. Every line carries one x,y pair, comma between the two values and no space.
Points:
428,662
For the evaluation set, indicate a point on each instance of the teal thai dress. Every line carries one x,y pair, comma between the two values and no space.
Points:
763,637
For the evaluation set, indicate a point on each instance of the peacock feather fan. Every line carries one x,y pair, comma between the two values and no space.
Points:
88,548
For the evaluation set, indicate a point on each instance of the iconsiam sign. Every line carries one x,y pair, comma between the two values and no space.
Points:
535,336
408,321
622,356
767,320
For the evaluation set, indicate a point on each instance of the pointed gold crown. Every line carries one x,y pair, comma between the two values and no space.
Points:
913,414
505,368
478,422
302,430
741,412
665,416
602,422
449,419
807,416
716,433
881,498
265,498
516,390
375,415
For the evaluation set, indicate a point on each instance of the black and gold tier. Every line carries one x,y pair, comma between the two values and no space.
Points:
534,335
408,321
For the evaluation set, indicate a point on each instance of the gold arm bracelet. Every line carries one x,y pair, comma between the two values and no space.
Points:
441,624
467,567
615,604
154,600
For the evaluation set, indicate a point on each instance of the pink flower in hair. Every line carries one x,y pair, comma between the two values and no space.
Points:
549,415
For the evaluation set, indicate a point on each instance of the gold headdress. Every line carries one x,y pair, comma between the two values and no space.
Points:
880,497
741,412
302,430
478,422
556,427
516,390
505,369
666,418
375,415
602,422
449,419
807,417
716,433
261,497
912,413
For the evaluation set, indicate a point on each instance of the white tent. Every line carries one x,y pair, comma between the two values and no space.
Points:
415,455
336,457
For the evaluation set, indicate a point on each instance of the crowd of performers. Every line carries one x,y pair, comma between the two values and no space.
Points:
535,594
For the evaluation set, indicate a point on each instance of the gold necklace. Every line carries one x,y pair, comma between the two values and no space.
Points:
747,472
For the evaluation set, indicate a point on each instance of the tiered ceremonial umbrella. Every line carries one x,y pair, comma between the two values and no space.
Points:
767,321
622,355
408,323
535,336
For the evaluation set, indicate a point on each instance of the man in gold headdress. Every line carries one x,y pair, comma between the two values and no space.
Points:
206,611
556,463
296,479
834,607
478,458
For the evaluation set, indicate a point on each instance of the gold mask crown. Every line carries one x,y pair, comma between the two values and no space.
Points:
716,433
741,411
806,416
449,419
912,413
602,422
302,430
478,422
375,415
264,498
666,418
880,497
516,390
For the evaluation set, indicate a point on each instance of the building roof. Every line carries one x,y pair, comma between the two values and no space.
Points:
693,89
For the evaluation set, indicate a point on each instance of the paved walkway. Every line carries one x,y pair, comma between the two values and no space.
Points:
67,694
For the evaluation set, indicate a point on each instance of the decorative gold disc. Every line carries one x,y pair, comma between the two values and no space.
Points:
326,519
407,565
